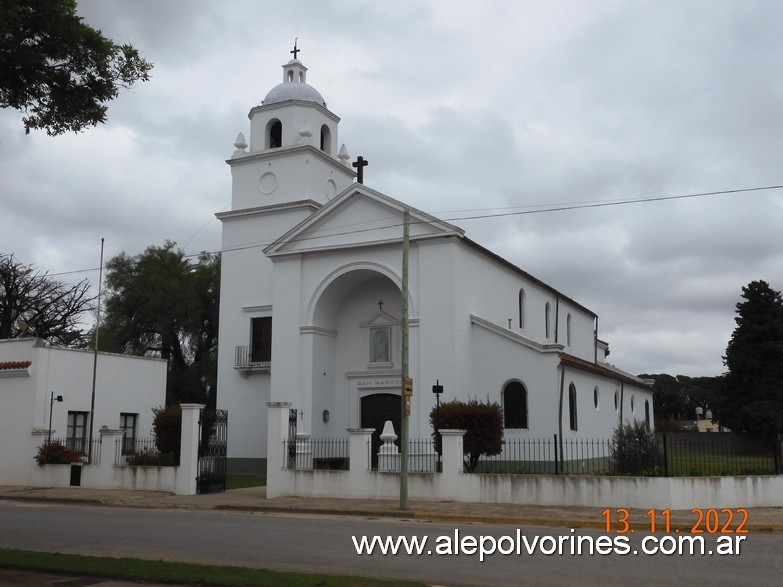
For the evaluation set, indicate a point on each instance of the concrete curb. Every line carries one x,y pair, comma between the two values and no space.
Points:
414,514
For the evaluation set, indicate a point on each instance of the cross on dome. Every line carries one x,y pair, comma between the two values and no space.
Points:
295,51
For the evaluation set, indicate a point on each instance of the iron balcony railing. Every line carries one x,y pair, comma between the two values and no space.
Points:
247,360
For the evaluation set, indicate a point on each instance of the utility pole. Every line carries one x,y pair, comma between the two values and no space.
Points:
95,358
407,384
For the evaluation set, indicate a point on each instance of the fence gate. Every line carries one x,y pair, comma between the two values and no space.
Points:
212,454
291,444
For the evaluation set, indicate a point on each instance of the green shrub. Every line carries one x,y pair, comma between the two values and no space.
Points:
167,428
635,449
483,422
55,453
151,458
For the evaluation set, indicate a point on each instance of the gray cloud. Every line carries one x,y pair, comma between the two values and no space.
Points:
458,108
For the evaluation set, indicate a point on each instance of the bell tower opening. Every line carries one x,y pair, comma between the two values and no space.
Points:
274,135
326,139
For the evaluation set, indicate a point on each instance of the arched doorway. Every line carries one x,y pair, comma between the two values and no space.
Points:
375,410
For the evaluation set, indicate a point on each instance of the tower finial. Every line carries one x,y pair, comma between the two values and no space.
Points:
295,51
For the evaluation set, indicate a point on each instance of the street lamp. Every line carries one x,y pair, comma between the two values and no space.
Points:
59,398
437,389
25,329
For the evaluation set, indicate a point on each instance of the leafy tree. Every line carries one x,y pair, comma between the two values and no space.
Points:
752,400
167,425
635,449
159,303
676,398
483,422
51,309
59,71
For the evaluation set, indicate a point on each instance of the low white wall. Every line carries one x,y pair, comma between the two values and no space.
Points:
105,474
544,490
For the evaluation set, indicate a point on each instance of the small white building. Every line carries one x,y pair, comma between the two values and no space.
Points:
33,376
311,304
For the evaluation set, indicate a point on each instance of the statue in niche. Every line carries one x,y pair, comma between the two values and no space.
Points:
380,345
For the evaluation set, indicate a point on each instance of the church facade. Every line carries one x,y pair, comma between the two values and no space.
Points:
311,304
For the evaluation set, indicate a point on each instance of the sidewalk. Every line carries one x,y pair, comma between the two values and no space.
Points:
254,499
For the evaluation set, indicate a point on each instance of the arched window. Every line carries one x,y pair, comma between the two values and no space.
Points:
290,75
274,134
595,397
616,400
515,405
632,406
521,308
647,413
568,329
572,407
326,139
547,312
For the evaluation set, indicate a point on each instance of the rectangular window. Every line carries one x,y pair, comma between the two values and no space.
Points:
128,426
76,439
261,342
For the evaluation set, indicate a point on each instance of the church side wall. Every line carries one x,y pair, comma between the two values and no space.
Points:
504,360
491,291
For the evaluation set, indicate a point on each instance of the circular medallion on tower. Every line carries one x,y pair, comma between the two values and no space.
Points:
331,188
268,183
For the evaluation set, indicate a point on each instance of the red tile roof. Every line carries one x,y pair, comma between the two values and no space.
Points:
602,369
15,364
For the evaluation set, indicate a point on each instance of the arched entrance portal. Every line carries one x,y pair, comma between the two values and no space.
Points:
375,410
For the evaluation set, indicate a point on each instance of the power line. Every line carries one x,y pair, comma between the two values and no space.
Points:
516,212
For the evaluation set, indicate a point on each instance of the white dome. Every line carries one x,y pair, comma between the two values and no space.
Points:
294,91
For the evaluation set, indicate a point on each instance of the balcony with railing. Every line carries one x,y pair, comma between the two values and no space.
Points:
249,360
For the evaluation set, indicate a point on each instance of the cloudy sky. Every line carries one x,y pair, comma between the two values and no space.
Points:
463,109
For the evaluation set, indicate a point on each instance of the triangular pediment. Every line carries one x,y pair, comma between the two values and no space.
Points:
359,217
380,318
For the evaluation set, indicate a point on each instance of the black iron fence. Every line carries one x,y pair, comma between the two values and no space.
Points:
685,454
316,453
550,456
679,455
140,452
81,447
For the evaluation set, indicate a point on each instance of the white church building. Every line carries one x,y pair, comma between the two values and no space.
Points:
311,304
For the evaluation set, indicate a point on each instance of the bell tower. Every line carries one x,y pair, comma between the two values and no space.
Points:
286,172
292,154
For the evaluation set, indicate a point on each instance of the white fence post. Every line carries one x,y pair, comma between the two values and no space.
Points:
360,441
188,450
276,433
452,459
104,471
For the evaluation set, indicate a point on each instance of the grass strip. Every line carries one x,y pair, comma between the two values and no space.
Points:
134,569
242,481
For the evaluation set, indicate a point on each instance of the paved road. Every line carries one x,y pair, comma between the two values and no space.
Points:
323,543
